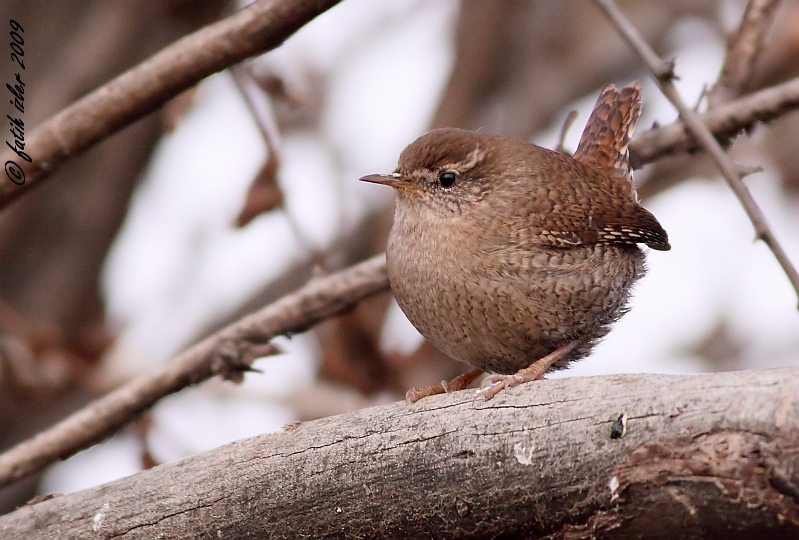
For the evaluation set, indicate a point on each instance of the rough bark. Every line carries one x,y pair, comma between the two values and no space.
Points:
704,456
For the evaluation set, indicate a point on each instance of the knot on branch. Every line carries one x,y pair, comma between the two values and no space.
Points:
718,477
232,360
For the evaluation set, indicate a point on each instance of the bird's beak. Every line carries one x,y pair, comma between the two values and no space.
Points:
394,180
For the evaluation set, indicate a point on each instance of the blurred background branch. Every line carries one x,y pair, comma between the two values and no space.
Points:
228,353
263,25
743,48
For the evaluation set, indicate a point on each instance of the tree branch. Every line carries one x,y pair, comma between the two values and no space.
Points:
694,123
743,48
229,353
699,452
725,121
258,28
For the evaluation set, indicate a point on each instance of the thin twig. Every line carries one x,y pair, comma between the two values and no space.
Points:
226,353
267,127
260,27
743,49
661,69
264,119
703,135
564,130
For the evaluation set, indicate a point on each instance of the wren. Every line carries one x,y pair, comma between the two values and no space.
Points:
514,258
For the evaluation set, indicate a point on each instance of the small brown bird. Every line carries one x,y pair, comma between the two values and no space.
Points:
514,258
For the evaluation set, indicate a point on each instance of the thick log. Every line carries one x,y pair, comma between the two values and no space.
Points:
701,456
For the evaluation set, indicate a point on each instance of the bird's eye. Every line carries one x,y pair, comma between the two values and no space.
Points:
447,179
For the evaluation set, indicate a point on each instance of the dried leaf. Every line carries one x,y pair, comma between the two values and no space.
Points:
175,108
264,193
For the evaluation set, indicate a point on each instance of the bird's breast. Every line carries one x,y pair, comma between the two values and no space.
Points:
501,309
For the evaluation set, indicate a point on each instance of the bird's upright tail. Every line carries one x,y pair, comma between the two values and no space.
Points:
605,142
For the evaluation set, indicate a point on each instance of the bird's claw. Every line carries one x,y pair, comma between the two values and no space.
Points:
494,384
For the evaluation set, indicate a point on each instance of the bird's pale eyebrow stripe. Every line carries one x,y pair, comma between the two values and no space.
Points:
475,156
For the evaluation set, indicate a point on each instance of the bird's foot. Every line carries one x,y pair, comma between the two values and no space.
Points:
461,382
494,384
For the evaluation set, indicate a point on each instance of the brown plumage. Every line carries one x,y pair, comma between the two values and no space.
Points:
503,253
